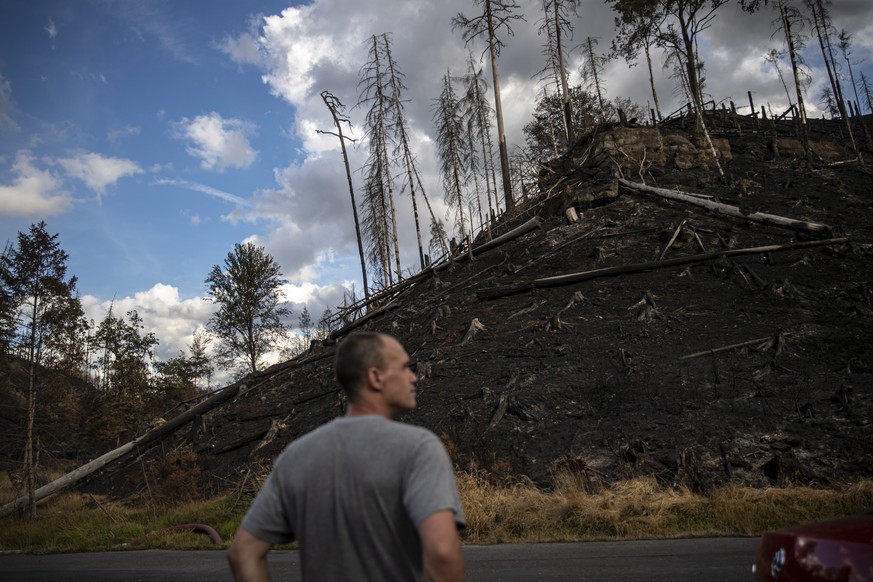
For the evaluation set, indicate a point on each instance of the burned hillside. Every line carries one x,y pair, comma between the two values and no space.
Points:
699,347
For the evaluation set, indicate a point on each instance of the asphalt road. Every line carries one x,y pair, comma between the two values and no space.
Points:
694,560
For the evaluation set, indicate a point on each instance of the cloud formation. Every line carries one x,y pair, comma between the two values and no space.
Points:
97,171
33,192
219,143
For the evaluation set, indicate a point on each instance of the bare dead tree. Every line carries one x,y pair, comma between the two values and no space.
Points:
375,225
402,138
336,108
452,149
846,51
592,70
496,15
867,90
773,57
375,92
556,24
477,114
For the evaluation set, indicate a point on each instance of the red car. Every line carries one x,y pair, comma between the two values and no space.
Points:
837,550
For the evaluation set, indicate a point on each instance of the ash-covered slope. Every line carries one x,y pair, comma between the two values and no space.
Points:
594,376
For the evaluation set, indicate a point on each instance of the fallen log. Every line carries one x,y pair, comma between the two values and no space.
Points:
557,281
802,226
140,444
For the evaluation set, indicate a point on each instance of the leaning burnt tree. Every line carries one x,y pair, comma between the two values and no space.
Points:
497,15
336,110
592,70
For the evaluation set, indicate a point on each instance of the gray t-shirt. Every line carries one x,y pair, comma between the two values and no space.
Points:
353,493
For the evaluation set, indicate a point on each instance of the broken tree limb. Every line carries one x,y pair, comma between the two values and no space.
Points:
672,240
142,443
557,281
754,342
802,226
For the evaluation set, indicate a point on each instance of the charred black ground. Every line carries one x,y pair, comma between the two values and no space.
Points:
590,377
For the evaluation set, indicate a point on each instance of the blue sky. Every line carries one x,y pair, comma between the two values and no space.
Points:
153,135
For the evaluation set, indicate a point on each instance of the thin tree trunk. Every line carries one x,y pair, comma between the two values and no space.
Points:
594,74
324,96
792,52
652,82
498,109
404,142
565,89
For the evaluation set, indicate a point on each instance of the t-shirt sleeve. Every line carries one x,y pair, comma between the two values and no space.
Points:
430,483
267,518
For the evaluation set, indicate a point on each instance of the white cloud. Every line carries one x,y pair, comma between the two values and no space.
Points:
244,49
173,320
97,171
51,29
114,135
219,143
33,192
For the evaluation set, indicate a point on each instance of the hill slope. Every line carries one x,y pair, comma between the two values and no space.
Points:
592,377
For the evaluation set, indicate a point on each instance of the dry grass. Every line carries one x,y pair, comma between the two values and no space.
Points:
496,513
641,509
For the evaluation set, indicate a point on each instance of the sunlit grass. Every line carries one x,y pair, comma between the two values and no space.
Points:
496,513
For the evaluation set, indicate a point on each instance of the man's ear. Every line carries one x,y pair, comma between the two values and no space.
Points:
374,378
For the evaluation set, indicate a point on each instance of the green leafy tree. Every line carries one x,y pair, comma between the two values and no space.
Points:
636,30
250,317
674,25
36,288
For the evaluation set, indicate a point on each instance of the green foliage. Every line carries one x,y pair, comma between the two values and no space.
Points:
38,301
250,317
127,353
544,134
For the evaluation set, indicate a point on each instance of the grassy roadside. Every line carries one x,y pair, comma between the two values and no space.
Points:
496,513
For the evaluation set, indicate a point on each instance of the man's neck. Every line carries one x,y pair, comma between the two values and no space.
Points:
366,408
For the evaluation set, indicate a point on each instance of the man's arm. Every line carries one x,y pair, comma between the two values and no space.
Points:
441,548
248,558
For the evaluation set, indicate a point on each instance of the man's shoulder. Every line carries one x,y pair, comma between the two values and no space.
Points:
363,427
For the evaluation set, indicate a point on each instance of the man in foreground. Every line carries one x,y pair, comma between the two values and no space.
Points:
367,498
